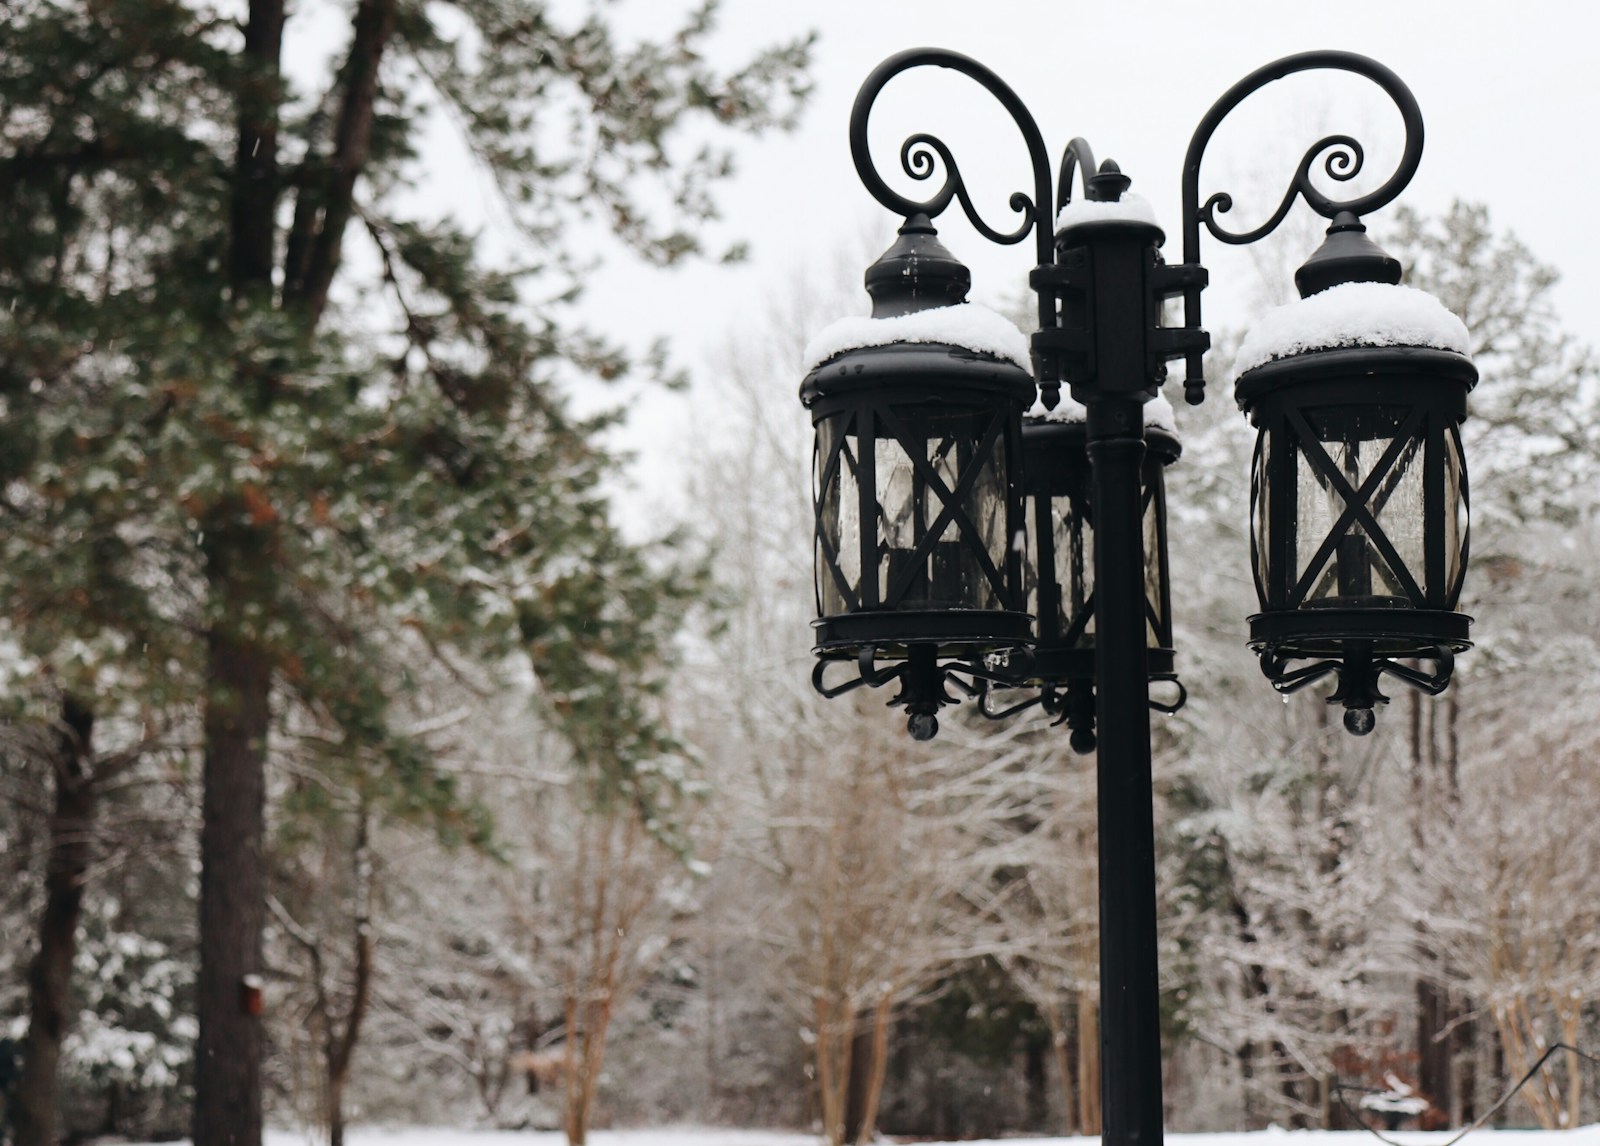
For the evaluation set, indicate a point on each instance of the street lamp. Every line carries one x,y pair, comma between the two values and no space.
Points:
953,540
918,414
1058,573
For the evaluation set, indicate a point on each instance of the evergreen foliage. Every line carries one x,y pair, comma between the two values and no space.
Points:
275,434
412,457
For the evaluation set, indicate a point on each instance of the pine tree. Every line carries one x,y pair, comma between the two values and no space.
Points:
236,462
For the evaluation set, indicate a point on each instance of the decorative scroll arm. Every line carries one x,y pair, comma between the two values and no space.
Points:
1078,156
1343,160
918,153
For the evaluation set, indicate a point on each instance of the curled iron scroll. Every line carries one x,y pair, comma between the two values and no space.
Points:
1078,156
1343,161
919,153
1342,155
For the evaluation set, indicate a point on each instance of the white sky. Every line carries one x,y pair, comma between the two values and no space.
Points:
1510,93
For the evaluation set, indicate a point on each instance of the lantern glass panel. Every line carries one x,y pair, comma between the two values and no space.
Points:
1060,477
1456,514
948,574
1357,442
1152,552
1074,566
1072,562
840,518
1261,507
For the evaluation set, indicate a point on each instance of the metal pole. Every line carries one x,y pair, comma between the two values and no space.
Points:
1130,1033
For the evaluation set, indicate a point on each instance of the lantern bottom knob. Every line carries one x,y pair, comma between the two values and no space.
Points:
1359,721
922,725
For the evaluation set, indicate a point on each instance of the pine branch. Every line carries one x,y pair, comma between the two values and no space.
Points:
373,30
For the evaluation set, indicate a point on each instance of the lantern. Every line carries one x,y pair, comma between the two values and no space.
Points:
918,414
1058,568
1359,489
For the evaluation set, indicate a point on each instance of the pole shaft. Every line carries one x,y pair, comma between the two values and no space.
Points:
1130,1034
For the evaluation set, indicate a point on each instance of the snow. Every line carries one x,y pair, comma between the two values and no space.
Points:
431,1136
1398,1099
423,1136
1353,314
1069,410
1131,208
967,325
1158,412
971,327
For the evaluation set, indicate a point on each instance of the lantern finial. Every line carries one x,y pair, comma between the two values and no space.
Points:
917,273
1346,256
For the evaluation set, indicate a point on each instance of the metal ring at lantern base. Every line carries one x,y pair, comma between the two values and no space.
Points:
889,631
1390,375
911,371
1394,632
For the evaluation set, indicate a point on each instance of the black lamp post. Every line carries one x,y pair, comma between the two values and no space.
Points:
927,560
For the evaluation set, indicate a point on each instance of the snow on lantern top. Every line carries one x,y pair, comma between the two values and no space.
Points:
1349,315
1158,412
964,325
1131,208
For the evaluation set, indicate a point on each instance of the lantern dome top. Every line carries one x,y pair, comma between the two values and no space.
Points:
1350,315
966,326
917,272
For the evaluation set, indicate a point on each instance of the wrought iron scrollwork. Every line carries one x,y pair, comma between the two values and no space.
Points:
1358,674
1344,154
1078,156
922,678
922,155
1342,160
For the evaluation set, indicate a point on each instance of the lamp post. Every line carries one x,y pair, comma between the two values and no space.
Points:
953,524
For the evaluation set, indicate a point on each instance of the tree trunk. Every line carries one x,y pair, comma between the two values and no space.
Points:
1466,1039
1289,1086
878,1048
1036,1105
1497,1066
233,888
855,1097
227,1072
1435,1073
341,1048
336,1113
50,976
1088,1064
833,1056
1571,1021
1433,1050
1246,1057
1063,1040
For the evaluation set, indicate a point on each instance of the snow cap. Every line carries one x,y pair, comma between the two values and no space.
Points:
1349,315
1157,412
1131,208
967,325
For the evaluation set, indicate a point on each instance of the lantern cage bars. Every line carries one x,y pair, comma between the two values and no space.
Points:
1058,582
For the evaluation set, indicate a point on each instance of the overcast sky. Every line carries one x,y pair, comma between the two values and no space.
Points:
1510,93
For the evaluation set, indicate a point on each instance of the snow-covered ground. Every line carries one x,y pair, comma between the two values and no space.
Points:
425,1136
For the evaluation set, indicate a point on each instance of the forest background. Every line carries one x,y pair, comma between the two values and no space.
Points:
545,825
